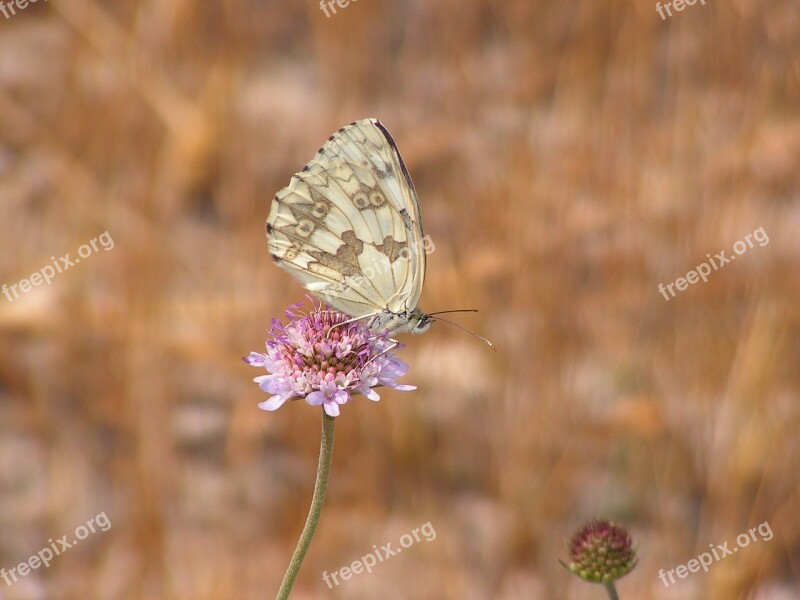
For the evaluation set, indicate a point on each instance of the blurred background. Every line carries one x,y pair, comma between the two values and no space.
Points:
569,158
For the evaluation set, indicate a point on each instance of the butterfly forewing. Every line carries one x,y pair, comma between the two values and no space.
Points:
348,225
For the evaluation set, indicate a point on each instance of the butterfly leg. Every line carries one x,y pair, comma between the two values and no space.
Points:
371,316
394,344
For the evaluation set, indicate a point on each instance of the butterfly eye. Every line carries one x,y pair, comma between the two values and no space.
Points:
377,199
304,228
361,201
422,324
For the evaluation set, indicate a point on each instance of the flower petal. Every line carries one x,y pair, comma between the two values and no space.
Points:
315,398
368,392
273,403
393,368
269,384
331,409
400,387
255,359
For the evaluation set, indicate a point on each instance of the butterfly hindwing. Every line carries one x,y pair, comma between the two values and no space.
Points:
348,225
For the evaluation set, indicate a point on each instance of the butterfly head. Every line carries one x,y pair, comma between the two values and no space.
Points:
416,321
420,321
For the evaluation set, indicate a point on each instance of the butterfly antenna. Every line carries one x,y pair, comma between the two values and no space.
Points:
444,312
472,333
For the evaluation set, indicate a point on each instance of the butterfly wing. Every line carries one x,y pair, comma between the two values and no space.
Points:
348,226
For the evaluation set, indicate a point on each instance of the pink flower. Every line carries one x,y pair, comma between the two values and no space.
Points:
317,357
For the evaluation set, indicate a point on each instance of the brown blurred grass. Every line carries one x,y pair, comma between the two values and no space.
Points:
569,158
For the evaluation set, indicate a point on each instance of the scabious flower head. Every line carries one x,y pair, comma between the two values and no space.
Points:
601,552
317,358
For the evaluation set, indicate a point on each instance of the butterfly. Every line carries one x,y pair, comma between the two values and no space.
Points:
348,227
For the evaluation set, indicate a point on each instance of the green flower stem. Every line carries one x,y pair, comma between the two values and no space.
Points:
612,591
320,488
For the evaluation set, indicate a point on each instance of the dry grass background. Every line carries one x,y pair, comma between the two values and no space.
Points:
569,157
